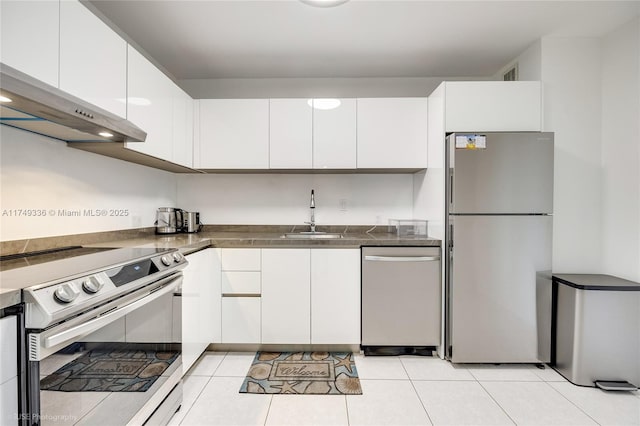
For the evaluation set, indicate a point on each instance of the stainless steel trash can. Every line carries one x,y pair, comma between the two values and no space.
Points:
596,330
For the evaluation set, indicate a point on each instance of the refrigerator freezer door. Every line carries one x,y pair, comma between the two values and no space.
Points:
513,174
492,287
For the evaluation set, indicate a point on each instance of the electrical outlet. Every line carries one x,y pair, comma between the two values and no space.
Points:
343,204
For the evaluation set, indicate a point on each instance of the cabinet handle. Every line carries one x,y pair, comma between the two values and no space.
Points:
402,258
240,295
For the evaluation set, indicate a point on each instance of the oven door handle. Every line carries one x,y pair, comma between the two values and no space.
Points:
104,319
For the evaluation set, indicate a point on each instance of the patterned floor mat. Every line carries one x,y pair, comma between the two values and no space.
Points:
318,373
110,371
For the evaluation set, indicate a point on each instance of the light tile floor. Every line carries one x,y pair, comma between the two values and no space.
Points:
405,390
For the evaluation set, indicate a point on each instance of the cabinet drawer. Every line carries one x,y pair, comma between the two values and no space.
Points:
241,259
234,282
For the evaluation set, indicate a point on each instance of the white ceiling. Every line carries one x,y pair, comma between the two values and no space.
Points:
362,38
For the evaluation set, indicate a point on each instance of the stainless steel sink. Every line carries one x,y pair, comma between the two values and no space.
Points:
311,235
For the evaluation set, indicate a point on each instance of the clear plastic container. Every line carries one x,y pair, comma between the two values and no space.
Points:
408,227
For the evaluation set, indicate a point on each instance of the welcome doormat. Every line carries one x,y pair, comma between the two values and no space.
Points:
110,371
312,373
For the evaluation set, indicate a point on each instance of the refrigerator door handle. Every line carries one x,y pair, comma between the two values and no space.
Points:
451,188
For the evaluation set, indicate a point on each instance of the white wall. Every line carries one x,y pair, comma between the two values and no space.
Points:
621,152
529,64
313,87
570,71
280,199
591,94
41,173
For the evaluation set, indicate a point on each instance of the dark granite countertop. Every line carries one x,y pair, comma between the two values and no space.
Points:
220,236
254,236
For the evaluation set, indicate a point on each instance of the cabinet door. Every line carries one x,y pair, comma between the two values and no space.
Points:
233,134
493,106
290,134
240,320
334,134
150,106
93,59
392,133
182,128
200,305
29,38
285,296
335,296
210,283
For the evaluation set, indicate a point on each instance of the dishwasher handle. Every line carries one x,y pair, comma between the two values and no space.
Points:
402,258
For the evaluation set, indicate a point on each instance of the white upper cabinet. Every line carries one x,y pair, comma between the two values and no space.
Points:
29,38
93,59
312,134
493,106
290,144
150,106
233,134
392,133
183,109
334,134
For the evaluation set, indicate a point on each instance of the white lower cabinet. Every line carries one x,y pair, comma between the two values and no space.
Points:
286,296
240,291
200,305
335,296
240,319
291,296
9,371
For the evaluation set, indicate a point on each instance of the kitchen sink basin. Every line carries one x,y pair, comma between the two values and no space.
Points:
311,235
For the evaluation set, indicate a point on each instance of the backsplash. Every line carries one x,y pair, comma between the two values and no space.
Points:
278,199
49,189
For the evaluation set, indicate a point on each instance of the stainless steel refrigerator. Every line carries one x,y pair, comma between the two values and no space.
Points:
499,229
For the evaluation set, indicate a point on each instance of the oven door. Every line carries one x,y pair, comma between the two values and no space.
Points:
117,364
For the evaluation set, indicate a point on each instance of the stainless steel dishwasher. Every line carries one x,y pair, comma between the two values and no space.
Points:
401,300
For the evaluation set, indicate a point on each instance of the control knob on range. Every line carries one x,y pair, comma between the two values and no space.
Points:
92,285
166,260
66,293
177,257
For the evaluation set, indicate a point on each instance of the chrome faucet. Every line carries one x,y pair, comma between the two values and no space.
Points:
312,207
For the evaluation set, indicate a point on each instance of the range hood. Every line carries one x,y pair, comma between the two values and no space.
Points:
40,108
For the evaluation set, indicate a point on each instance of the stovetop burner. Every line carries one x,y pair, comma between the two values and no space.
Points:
19,260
